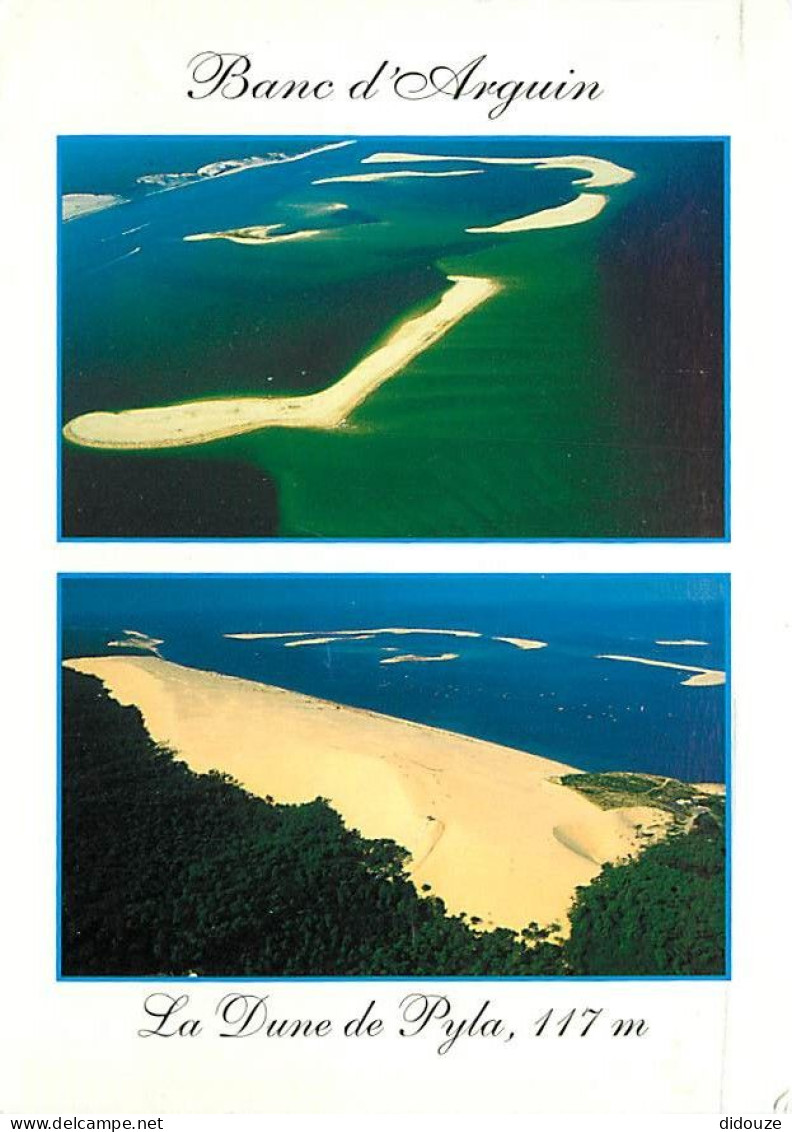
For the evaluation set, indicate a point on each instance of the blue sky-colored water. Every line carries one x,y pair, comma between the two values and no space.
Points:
560,701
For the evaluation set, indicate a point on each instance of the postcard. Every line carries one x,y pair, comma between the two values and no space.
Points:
396,564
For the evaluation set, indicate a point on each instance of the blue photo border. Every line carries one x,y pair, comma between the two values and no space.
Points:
723,578
724,140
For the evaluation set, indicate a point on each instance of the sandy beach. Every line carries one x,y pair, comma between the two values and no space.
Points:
701,678
197,422
578,211
486,826
600,174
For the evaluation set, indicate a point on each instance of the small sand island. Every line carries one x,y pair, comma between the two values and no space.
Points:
684,641
255,236
415,658
701,678
525,839
523,643
197,422
133,639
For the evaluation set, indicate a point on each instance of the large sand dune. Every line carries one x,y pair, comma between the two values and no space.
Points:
486,826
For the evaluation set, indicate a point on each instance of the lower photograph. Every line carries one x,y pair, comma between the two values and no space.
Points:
393,775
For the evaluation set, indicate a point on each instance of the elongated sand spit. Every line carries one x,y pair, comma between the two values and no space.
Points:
584,207
198,422
399,175
600,174
396,631
485,825
684,641
702,678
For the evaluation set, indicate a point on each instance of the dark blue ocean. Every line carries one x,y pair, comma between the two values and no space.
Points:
560,701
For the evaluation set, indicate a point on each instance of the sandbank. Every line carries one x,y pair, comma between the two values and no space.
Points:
308,641
484,824
74,205
255,235
702,678
132,639
198,422
682,642
360,177
600,173
395,631
414,658
522,642
584,207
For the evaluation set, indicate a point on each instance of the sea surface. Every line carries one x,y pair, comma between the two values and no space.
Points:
560,701
585,399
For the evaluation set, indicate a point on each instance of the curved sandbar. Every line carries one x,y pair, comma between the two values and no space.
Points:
360,177
255,235
601,173
584,207
702,678
485,825
197,422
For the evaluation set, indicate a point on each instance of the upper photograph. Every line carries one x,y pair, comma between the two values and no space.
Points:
392,337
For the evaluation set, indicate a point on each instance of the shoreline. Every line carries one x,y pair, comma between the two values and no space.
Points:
198,422
486,827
